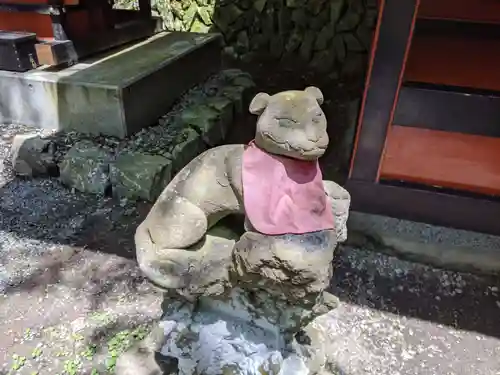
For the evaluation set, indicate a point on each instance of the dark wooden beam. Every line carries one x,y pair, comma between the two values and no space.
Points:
478,213
449,109
392,41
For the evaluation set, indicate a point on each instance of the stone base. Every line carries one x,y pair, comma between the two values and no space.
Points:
213,337
448,248
117,94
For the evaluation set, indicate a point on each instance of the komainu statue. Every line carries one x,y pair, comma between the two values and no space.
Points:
246,288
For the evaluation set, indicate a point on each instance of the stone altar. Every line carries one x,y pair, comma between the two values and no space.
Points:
242,296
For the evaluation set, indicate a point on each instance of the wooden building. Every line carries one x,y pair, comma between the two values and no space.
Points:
427,146
52,32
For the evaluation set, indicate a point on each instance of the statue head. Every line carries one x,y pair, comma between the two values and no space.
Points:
291,123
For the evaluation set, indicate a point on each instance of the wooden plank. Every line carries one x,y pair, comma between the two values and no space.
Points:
487,11
389,52
470,62
478,214
55,53
444,159
40,24
464,111
41,2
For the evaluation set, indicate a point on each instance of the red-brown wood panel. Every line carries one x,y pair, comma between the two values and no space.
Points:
457,61
64,2
40,24
462,10
444,159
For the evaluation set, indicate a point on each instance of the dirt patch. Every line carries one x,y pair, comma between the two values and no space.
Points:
71,295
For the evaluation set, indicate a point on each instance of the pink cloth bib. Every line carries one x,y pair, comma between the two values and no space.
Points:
282,195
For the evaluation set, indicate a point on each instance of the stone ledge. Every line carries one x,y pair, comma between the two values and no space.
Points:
140,166
116,94
437,246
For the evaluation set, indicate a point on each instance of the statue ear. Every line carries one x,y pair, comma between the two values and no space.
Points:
315,93
259,103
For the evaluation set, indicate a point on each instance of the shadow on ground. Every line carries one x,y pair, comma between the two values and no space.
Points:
459,300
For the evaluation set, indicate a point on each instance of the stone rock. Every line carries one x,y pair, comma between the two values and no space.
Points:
315,6
231,74
226,16
289,270
306,47
357,6
316,23
220,337
190,15
259,5
339,48
140,358
210,276
293,42
370,18
86,168
258,42
340,201
296,3
336,8
365,36
237,95
348,22
188,145
323,61
324,37
354,64
284,21
245,4
352,43
32,156
178,25
177,10
268,24
225,107
302,262
277,46
140,176
299,17
205,14
206,121
199,27
242,42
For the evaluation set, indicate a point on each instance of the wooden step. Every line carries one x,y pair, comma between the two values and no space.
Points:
471,62
487,11
463,111
443,159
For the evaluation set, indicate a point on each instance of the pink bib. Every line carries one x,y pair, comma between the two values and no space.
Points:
282,195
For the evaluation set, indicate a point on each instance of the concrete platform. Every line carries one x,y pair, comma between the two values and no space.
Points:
448,248
116,94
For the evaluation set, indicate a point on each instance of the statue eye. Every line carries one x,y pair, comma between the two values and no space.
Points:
286,122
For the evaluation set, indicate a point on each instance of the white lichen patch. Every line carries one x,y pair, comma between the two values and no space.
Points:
225,338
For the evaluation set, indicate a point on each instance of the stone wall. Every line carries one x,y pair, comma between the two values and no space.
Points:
139,167
328,35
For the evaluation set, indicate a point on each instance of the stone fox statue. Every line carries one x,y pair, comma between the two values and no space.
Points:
273,181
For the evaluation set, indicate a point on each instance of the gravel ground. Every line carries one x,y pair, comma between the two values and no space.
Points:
71,296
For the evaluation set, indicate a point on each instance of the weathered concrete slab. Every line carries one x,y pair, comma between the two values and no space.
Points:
449,248
114,95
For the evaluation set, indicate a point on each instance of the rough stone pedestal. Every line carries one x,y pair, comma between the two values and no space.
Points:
251,308
116,94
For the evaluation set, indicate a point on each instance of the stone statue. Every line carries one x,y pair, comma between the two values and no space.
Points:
258,286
